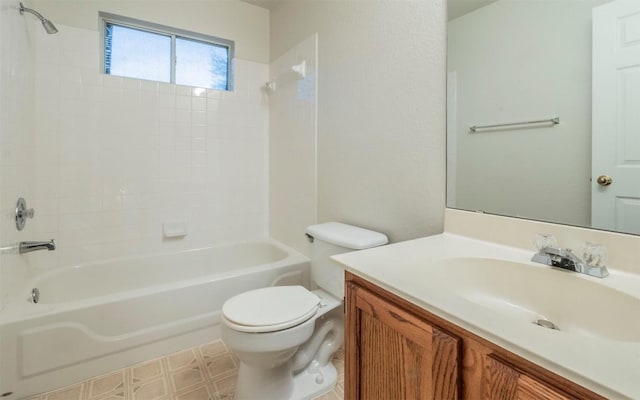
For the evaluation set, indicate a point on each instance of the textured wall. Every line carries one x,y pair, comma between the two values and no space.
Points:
381,109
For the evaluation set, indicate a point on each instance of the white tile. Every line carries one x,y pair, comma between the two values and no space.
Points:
112,203
198,143
200,171
150,86
198,118
199,92
183,90
183,102
198,104
199,158
182,129
182,143
183,115
111,96
79,204
70,91
130,101
167,114
91,94
112,81
166,88
117,156
70,75
199,131
45,223
166,100
130,83
213,94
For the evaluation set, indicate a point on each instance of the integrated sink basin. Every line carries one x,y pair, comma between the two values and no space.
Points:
529,293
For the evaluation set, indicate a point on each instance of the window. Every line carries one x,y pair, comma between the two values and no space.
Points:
143,50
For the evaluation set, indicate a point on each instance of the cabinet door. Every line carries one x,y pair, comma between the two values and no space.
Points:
392,354
502,382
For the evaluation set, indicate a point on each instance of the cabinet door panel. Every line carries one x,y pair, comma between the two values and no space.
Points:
392,354
502,382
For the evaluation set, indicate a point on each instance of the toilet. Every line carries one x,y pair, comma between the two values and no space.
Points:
285,336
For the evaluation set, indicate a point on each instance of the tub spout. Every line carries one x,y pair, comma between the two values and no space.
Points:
28,247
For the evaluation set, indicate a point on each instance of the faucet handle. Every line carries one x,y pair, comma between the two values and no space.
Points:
594,254
22,213
545,240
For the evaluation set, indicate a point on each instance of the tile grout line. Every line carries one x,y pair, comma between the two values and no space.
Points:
215,382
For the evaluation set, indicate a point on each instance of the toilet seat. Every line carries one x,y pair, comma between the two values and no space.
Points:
270,309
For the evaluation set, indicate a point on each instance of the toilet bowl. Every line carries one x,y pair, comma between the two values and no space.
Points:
285,336
271,356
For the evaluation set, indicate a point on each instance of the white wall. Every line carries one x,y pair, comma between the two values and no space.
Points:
381,109
244,23
293,184
17,164
540,69
118,157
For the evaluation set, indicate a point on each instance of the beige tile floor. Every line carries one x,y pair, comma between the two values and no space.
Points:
207,372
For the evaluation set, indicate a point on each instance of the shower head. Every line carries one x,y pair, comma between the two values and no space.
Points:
46,24
49,26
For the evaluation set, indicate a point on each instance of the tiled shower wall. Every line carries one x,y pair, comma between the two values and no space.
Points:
116,157
17,165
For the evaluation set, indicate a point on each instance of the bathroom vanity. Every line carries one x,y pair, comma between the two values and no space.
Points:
395,349
447,317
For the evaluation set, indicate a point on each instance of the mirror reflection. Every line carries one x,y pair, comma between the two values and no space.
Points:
542,110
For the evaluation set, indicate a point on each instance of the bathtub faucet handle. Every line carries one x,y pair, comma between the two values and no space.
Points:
22,213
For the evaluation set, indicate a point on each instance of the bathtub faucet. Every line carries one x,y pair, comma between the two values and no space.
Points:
28,247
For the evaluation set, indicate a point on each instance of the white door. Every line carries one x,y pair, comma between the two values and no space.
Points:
616,117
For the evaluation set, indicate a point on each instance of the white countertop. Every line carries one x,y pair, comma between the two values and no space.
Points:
607,367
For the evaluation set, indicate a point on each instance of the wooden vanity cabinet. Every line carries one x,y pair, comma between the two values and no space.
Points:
396,355
396,350
501,381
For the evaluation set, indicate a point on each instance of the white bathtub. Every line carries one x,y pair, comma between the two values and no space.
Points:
103,316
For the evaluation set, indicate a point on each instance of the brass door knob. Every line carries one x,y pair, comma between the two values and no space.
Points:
604,180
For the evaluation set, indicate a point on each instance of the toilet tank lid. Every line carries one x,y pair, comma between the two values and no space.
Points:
349,236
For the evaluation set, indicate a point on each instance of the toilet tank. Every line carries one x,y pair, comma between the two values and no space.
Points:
333,238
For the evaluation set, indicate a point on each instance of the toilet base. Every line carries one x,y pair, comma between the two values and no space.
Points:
258,383
276,384
307,385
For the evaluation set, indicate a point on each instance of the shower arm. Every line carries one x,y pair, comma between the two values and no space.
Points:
29,10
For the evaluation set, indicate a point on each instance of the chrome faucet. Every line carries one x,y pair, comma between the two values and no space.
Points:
28,247
565,259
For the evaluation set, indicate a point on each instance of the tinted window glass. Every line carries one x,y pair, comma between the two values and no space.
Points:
201,64
137,54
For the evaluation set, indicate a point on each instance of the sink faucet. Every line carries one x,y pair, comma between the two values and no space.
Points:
28,247
565,259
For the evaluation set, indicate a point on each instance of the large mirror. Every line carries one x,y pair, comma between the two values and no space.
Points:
543,113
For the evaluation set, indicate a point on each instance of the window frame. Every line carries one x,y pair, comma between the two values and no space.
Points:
164,30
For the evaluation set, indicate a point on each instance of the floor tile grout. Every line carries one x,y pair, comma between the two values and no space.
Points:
206,372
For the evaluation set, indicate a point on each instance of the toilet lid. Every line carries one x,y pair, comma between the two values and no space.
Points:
270,309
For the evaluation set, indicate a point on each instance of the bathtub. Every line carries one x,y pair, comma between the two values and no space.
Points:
102,316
